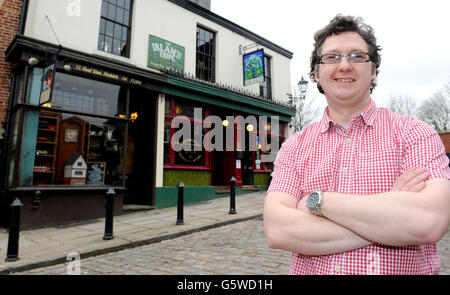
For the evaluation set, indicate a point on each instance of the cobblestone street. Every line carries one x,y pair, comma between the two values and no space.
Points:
234,249
444,253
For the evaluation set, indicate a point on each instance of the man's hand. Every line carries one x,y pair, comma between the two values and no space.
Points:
301,205
412,180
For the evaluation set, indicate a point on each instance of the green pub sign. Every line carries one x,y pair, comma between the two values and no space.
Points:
165,55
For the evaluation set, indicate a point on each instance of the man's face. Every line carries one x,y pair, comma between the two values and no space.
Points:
345,83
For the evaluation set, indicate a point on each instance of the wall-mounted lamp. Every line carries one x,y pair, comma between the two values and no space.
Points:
250,127
225,123
32,61
133,116
67,68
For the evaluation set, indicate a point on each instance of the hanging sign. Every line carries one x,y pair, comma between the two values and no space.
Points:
47,84
254,67
165,55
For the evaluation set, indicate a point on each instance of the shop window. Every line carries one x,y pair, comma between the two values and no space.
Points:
196,157
192,152
115,27
78,150
12,151
167,142
188,110
206,59
254,154
75,139
87,96
13,148
18,89
167,108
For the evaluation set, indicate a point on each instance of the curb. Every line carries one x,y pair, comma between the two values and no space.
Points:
60,260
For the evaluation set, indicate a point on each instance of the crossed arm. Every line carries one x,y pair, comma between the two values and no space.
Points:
413,212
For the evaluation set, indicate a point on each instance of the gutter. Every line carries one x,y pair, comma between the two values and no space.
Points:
23,17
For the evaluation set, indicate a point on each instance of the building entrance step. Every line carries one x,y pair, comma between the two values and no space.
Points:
135,207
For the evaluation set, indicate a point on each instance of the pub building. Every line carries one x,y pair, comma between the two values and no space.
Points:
93,100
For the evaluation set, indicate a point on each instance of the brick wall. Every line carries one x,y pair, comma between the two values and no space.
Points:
446,140
9,23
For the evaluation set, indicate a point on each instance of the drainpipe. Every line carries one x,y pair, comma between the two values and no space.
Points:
23,17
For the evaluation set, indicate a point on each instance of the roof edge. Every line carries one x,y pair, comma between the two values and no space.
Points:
232,26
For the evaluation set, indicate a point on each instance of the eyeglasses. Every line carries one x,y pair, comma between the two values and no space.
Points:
355,57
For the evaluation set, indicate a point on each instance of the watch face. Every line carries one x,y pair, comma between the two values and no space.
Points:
313,200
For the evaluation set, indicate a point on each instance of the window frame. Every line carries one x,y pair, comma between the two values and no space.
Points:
210,56
103,35
168,118
269,134
22,105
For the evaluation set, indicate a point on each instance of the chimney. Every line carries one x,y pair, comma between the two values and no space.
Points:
203,3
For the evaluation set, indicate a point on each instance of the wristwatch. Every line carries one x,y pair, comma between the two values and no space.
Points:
314,202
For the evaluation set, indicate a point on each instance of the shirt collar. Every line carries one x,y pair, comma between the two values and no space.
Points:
368,116
370,113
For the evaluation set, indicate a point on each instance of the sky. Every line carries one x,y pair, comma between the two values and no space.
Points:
415,56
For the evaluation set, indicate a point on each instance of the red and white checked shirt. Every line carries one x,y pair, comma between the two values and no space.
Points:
366,159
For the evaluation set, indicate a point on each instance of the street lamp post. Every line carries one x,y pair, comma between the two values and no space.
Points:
298,102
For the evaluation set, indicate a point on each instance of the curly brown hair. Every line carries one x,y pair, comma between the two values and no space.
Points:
340,24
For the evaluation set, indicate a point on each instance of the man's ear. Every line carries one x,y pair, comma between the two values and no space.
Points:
316,73
374,71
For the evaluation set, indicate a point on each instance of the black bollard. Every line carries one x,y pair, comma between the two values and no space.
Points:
233,195
14,230
180,213
109,215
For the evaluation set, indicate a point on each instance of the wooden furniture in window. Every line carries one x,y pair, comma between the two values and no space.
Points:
46,148
95,146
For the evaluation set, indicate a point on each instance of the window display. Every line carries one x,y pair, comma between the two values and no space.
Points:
63,139
77,138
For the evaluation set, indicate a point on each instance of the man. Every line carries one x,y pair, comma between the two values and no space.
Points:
363,191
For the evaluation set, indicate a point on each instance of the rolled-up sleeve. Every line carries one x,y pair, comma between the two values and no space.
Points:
424,148
285,176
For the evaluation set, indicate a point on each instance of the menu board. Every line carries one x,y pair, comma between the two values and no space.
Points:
96,173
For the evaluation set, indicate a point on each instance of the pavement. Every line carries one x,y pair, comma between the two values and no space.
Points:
53,245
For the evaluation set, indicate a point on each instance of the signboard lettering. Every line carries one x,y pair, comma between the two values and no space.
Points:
165,55
101,73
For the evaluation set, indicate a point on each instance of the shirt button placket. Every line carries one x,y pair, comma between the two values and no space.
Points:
337,269
347,162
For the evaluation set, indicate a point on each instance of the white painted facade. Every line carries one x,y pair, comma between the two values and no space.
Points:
76,24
